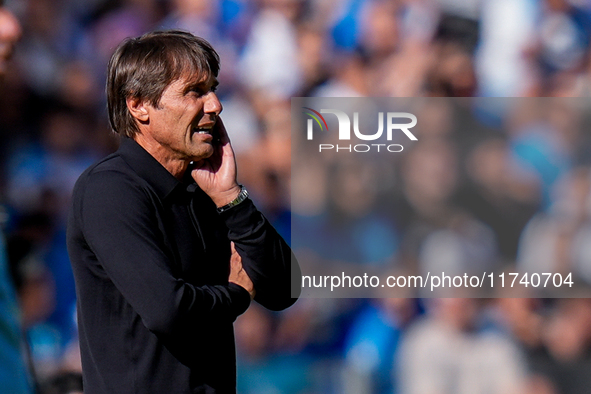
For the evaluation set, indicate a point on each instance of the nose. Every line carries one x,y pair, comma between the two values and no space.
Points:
10,29
212,104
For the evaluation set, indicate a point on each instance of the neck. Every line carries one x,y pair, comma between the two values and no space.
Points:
173,164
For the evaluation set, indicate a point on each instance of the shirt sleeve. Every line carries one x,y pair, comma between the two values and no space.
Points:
120,225
266,257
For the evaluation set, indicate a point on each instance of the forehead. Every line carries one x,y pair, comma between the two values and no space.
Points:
197,77
184,84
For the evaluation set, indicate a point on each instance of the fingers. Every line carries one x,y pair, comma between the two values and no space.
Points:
223,134
222,145
237,273
235,259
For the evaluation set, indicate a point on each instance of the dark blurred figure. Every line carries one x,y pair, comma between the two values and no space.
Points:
28,245
10,32
567,336
268,364
558,240
438,234
493,195
13,373
555,337
40,177
64,383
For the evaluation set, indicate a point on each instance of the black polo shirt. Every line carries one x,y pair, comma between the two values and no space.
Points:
150,256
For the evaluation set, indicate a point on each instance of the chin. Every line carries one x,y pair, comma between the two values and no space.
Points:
205,154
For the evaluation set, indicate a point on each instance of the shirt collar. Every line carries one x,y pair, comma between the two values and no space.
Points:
147,167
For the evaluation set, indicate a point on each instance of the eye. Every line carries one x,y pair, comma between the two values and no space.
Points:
198,90
201,90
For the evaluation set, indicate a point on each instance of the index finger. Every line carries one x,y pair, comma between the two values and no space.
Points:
221,129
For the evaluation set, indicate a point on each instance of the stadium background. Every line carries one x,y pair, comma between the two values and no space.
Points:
523,182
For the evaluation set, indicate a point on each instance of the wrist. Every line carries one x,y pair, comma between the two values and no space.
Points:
221,200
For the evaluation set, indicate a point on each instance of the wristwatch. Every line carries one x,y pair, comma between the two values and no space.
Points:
243,195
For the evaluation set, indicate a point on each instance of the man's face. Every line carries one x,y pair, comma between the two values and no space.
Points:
183,122
10,32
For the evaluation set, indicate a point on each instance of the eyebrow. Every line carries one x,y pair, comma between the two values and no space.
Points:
199,84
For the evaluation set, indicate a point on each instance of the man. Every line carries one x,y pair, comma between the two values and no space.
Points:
167,249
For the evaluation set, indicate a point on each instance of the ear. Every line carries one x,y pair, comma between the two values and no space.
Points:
138,109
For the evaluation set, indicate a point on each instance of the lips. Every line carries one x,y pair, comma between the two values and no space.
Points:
204,128
205,133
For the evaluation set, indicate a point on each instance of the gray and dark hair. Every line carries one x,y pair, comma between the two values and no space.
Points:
144,67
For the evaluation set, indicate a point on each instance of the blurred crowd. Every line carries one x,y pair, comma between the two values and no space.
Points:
500,188
491,185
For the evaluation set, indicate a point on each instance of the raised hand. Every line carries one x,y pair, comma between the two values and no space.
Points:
216,175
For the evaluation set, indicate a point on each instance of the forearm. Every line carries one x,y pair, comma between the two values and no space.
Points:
266,257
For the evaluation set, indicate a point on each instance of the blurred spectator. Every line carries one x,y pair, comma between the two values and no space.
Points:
372,345
349,79
438,234
10,33
269,64
557,241
14,376
567,337
40,177
41,174
113,23
42,52
508,33
64,383
447,352
494,195
36,290
543,140
262,365
203,18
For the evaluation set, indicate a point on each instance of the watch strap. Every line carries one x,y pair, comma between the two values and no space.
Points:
243,195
